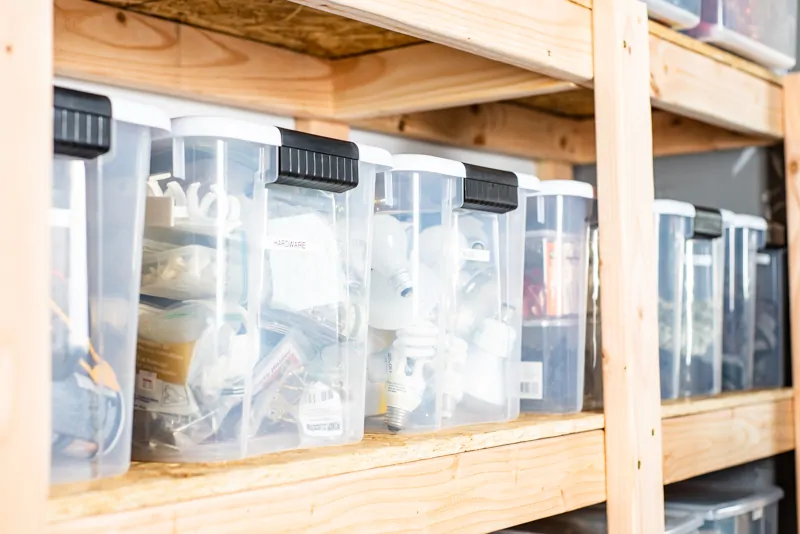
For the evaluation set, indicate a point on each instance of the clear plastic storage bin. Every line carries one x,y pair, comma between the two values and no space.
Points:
771,312
674,226
593,368
592,520
761,30
102,157
744,237
554,298
254,292
680,14
701,323
446,296
728,511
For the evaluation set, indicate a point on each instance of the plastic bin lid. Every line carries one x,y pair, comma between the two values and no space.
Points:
753,222
592,520
139,113
568,188
727,217
528,182
663,206
263,134
714,504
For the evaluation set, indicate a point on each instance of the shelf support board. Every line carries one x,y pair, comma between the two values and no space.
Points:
628,270
26,154
791,102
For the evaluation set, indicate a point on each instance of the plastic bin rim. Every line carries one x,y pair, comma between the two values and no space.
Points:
728,509
139,113
754,222
664,206
448,167
262,134
687,522
564,188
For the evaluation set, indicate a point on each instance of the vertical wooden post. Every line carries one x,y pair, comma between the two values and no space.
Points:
26,155
547,169
791,118
336,130
628,275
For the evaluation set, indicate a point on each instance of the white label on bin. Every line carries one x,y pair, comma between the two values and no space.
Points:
531,386
702,260
758,514
763,259
475,254
321,412
272,242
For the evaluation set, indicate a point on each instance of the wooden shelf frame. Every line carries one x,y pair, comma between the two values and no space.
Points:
567,81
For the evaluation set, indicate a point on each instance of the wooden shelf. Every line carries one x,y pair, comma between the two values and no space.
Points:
706,435
403,69
473,479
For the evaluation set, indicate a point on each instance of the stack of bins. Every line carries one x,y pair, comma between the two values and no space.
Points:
674,227
592,520
254,291
680,14
771,312
700,371
728,510
761,30
102,156
554,314
744,237
445,301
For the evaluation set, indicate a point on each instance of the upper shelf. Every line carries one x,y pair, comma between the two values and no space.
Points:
478,75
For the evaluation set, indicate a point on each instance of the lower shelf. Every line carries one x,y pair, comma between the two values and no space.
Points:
473,479
706,435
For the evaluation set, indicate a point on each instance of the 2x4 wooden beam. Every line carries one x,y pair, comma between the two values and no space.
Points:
26,155
628,273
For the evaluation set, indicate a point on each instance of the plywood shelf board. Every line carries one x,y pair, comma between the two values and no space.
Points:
709,441
725,401
172,482
275,22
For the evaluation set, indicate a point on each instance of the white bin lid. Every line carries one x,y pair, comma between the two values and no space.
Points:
728,218
673,207
715,505
449,167
133,112
568,188
741,220
263,134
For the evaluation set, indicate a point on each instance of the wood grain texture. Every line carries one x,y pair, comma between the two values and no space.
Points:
628,268
674,135
429,76
104,44
792,151
335,130
725,401
501,127
706,442
472,492
552,37
549,169
26,156
171,483
275,22
699,87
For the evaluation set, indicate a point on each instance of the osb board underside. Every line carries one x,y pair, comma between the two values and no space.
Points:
275,22
577,104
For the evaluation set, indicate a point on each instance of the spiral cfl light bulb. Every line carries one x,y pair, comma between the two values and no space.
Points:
414,347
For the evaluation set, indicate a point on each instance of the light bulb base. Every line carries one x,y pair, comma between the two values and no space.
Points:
396,418
402,284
